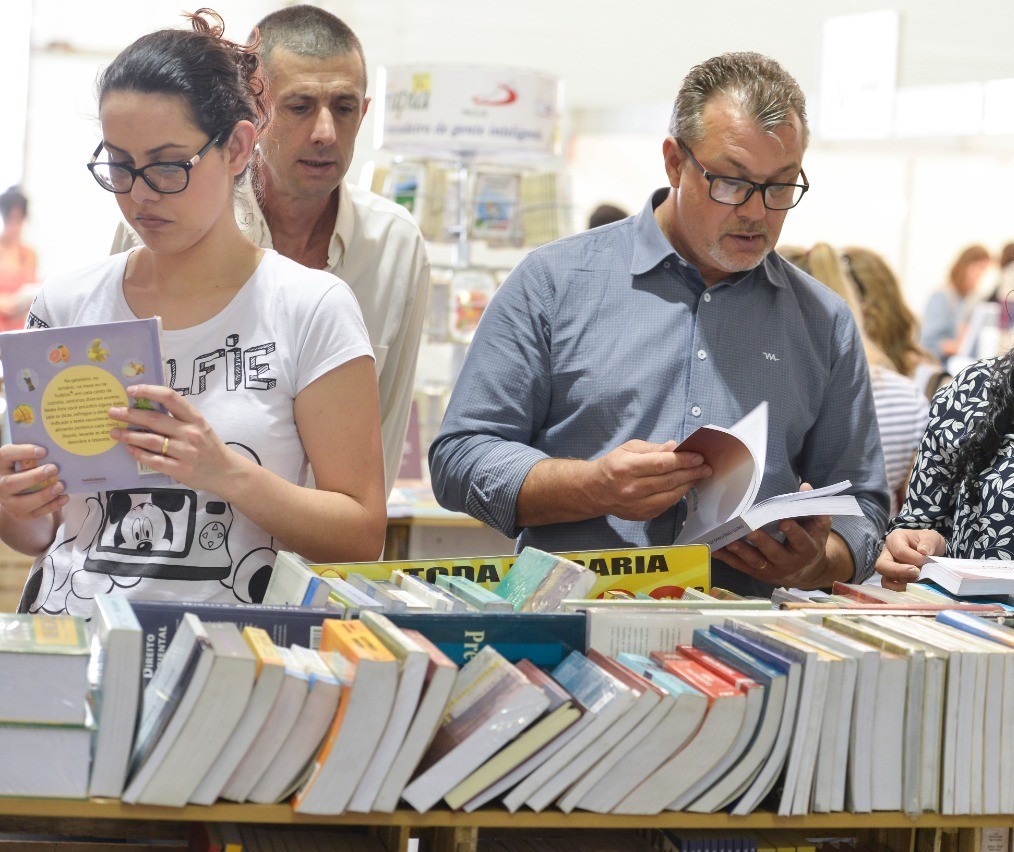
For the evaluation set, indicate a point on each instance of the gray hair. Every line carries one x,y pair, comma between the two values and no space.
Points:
307,31
757,86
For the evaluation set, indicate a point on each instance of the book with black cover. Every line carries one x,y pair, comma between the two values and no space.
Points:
287,625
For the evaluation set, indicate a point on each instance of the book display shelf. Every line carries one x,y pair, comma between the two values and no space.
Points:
444,830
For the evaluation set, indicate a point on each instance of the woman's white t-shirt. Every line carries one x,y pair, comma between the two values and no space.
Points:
286,327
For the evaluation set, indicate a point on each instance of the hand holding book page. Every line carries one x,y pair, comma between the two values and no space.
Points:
721,509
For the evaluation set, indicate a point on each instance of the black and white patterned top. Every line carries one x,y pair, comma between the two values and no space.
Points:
973,530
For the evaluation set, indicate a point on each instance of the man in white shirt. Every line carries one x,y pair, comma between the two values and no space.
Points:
298,202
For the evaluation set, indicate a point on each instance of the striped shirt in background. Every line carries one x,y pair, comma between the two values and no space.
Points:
902,414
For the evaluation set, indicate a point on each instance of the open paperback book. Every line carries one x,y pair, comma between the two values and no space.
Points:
722,508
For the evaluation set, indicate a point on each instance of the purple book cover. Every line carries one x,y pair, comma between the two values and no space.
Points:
60,384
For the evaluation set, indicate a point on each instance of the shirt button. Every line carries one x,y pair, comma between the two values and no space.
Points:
706,297
667,264
696,411
702,354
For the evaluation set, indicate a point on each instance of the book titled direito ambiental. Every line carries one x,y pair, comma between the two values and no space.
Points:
60,384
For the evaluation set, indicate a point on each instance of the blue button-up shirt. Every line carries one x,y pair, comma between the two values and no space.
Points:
609,335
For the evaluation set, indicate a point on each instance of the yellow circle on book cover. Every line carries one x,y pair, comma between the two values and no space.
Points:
75,409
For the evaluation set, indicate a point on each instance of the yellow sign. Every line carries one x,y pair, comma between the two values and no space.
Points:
662,572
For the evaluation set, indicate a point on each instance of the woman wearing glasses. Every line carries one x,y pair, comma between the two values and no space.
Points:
269,363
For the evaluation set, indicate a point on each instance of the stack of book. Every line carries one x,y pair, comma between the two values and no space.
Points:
45,723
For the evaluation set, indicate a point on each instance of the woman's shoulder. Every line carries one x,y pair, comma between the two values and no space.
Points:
69,291
973,378
295,276
894,382
83,277
967,394
298,290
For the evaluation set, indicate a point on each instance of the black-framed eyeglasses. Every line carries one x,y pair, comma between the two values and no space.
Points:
735,191
166,178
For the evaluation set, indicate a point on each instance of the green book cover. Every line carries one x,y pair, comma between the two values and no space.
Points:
525,575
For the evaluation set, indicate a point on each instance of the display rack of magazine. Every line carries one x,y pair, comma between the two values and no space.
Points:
479,219
533,701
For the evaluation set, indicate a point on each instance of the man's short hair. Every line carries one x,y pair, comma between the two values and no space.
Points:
307,31
757,86
605,214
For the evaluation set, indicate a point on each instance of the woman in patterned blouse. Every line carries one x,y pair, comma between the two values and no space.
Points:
960,499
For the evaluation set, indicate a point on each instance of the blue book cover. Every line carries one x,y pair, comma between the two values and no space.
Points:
739,659
998,600
640,664
976,625
591,686
756,649
545,638
60,384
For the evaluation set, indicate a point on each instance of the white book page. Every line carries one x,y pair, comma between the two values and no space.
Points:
976,567
736,455
826,491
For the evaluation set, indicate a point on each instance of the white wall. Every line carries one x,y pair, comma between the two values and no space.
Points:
924,200
916,204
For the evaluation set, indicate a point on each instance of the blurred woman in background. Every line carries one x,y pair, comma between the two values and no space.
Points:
948,308
901,406
17,261
889,322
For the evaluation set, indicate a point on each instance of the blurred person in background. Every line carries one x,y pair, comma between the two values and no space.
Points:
18,274
1005,289
901,406
948,308
888,321
604,214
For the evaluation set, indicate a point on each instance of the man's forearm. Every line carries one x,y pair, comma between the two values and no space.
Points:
555,492
837,565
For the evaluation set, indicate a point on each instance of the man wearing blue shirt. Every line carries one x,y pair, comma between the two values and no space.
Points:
601,351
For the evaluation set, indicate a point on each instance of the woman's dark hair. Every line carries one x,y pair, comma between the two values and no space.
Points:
222,82
13,198
979,447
